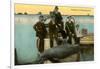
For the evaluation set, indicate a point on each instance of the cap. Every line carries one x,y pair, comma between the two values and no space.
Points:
56,7
52,14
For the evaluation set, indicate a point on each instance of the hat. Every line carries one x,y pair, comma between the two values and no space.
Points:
52,14
56,7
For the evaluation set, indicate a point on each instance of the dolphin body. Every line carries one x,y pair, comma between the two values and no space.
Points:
56,53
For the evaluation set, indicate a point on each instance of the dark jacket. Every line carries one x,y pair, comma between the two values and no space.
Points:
70,27
58,16
58,20
52,27
40,29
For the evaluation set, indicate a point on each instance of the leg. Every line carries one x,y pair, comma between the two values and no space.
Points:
70,39
41,45
38,40
55,35
51,40
77,40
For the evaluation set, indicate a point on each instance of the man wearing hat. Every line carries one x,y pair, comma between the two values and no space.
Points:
58,18
70,29
41,33
52,29
78,34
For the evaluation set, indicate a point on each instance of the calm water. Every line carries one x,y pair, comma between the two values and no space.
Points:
25,40
87,54
25,43
84,21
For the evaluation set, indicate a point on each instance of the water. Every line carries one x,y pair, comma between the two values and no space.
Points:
25,43
25,35
87,54
84,21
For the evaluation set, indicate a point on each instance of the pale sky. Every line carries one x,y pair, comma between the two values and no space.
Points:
45,9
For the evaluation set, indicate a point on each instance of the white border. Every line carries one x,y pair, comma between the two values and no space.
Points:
4,34
12,35
75,3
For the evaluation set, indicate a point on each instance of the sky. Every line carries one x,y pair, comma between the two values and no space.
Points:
45,9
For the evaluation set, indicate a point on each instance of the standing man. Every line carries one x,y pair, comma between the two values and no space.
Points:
52,29
41,33
78,34
70,29
58,18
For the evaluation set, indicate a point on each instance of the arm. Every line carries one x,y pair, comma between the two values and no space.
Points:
34,27
44,28
67,28
73,32
60,17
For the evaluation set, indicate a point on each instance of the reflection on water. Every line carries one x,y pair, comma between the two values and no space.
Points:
87,53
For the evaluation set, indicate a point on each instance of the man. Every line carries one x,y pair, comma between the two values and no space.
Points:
41,33
58,18
78,34
52,29
70,29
